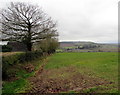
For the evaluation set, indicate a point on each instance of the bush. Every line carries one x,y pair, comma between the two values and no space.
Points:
29,56
48,45
9,61
6,48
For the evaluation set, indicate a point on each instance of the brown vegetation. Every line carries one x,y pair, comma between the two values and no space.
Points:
63,80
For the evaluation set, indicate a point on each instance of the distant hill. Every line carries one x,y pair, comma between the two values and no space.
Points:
87,46
74,43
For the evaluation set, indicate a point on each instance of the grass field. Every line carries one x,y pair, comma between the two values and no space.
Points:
93,72
85,72
104,64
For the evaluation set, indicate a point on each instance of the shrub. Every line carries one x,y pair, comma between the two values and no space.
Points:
29,56
9,61
6,48
48,45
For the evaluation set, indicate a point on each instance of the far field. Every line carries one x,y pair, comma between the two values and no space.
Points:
93,72
83,46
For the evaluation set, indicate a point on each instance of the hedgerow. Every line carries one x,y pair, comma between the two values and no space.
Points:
9,61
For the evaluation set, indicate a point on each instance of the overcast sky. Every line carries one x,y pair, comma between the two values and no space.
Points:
81,20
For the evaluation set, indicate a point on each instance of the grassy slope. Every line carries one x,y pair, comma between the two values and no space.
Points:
96,64
21,84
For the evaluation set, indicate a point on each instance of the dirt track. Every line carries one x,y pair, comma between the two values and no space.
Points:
62,80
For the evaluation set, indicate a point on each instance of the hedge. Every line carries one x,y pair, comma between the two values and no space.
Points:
6,48
9,61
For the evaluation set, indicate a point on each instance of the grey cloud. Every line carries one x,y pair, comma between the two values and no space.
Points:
92,20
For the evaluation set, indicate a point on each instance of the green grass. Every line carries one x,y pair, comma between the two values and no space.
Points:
17,86
69,47
102,65
59,50
21,84
101,89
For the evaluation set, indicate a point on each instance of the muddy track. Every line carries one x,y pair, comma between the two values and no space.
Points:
38,72
53,81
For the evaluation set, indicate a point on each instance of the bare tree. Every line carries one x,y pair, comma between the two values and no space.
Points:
26,23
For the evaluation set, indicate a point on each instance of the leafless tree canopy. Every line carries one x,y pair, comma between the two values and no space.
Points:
26,23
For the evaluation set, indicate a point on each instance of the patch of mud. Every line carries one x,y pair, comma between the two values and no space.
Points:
63,80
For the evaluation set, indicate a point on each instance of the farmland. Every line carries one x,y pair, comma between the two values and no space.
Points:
78,53
83,46
93,72
67,72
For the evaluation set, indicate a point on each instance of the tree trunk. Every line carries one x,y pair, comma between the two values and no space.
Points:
29,46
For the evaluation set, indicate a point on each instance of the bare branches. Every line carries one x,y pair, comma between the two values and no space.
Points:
25,22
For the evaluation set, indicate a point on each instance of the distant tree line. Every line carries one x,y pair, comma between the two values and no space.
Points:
87,46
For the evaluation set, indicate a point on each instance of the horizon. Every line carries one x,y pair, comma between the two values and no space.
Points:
5,42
